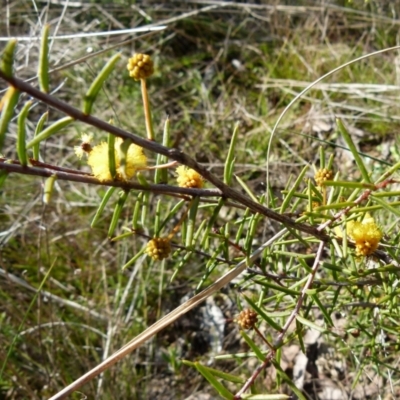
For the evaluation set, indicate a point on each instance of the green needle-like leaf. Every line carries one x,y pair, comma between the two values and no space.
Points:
21,134
230,159
349,141
161,174
259,354
293,189
262,314
39,128
223,375
48,188
43,71
95,87
310,324
247,189
111,155
7,58
385,205
9,101
208,374
191,221
102,205
123,154
123,195
49,131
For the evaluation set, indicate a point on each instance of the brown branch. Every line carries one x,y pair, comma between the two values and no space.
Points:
83,177
171,153
295,312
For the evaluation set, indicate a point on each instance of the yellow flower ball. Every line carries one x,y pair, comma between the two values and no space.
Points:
98,161
140,66
247,319
158,248
323,175
366,235
189,178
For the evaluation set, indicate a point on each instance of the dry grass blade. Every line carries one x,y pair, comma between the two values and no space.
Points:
164,322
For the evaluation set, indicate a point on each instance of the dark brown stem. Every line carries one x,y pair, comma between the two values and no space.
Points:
83,177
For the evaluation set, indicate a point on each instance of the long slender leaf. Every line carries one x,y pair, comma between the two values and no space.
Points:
8,104
123,195
223,375
161,174
7,58
38,129
386,205
262,314
349,141
50,130
111,155
102,205
259,354
21,134
191,222
97,84
230,159
292,191
207,373
43,70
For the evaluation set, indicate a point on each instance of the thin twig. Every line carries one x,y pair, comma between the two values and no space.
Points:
67,174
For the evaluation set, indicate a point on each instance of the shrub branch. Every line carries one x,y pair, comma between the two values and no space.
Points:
171,153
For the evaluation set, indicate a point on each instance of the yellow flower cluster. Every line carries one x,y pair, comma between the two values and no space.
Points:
158,248
189,178
366,234
140,66
323,175
98,161
247,319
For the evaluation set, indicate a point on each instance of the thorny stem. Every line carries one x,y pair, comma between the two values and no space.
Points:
307,286
254,376
279,340
147,112
172,153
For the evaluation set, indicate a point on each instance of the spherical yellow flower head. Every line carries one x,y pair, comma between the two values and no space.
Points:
98,161
189,178
158,248
85,146
323,175
366,234
140,66
247,319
